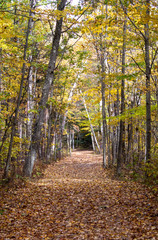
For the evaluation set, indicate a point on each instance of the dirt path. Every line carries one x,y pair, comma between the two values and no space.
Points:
76,200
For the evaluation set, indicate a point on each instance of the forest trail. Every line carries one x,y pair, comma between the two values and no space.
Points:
76,200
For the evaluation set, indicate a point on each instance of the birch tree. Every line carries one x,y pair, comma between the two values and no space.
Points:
93,136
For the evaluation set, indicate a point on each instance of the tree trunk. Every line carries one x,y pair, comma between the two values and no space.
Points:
69,139
109,132
103,86
91,126
52,116
93,144
31,87
0,84
36,134
130,140
30,102
148,100
73,140
121,149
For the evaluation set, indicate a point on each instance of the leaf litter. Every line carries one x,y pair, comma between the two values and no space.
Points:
76,199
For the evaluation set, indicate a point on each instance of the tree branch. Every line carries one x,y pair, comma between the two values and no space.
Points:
154,58
131,20
137,65
68,28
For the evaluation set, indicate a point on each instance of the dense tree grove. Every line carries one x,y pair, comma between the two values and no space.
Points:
73,73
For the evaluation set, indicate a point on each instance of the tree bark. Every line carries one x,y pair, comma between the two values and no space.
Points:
93,144
148,99
52,115
69,139
30,102
73,140
121,149
0,84
109,132
103,87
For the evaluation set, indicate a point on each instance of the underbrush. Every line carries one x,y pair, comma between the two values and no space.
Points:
145,173
15,175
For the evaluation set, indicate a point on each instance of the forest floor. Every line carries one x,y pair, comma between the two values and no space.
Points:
77,199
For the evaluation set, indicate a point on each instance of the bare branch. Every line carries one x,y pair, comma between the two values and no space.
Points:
154,58
137,65
50,25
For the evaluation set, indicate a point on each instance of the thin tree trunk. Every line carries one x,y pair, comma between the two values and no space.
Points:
31,87
60,138
30,102
91,126
93,144
20,126
138,133
50,120
148,72
54,141
73,140
156,80
0,84
156,85
109,133
69,139
103,87
130,140
121,149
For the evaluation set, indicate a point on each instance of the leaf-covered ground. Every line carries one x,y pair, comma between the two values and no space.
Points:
76,200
